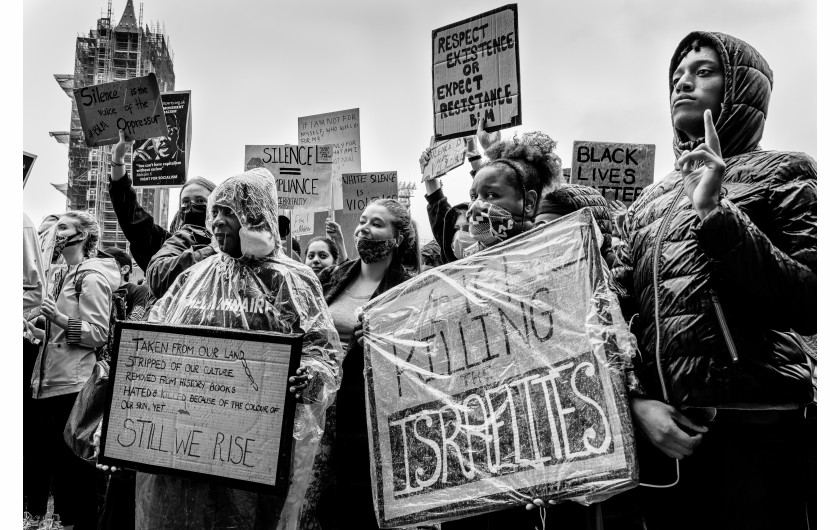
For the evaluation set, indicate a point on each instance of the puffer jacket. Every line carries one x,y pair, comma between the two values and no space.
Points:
567,198
742,281
67,359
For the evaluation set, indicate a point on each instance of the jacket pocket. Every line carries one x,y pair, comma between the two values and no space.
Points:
724,327
59,368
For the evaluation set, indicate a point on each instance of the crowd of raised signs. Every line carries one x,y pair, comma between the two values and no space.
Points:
714,266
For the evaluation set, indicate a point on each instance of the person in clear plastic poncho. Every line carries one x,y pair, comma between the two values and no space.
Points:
218,292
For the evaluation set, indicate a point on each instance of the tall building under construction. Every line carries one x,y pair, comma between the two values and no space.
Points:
111,53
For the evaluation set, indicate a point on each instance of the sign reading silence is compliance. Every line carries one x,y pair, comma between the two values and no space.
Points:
201,401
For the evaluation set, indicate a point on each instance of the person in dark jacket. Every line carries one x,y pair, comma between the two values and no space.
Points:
387,243
723,269
145,237
136,296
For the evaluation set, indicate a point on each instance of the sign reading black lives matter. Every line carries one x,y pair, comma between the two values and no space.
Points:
132,105
201,401
302,173
475,74
619,171
163,162
499,378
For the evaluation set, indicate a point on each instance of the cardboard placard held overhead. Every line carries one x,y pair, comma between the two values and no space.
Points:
341,129
202,401
303,223
475,74
132,105
619,171
28,161
301,172
499,378
163,162
360,189
445,156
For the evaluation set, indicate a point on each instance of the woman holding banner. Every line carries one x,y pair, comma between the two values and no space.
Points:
248,284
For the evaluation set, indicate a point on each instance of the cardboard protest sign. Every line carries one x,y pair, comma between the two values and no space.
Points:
499,378
163,162
201,401
132,105
303,222
362,188
445,156
475,74
301,172
341,129
28,161
619,171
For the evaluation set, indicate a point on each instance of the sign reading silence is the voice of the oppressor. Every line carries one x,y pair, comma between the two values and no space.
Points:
189,400
475,74
499,378
301,172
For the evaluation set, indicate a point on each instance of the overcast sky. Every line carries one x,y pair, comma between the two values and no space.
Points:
590,70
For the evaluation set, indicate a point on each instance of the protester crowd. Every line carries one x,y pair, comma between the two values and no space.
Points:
714,266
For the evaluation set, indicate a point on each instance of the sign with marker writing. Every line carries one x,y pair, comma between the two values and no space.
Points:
28,161
341,129
202,401
132,105
619,171
444,157
301,172
475,74
163,162
360,189
499,378
303,222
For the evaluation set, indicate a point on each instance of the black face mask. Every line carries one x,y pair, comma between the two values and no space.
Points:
192,214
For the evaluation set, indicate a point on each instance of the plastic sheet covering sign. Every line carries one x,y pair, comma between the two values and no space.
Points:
341,129
499,378
360,189
301,172
132,105
194,400
619,171
475,74
444,157
164,162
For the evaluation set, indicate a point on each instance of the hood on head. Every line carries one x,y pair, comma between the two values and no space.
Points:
108,267
252,196
748,81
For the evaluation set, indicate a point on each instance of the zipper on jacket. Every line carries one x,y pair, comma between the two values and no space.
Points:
727,336
656,252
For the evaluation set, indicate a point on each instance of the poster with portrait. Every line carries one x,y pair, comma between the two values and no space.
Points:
163,162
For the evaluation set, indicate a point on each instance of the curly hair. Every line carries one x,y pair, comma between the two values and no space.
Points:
331,246
539,167
408,253
88,226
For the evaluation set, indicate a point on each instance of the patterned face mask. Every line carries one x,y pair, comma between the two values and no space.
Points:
62,242
489,224
374,250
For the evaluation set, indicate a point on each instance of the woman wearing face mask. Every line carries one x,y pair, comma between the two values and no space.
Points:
191,241
321,253
248,284
386,240
77,312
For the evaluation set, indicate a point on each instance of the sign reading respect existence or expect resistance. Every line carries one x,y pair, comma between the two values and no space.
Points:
475,74
132,105
301,172
619,171
497,379
201,401
164,162
360,189
444,157
341,130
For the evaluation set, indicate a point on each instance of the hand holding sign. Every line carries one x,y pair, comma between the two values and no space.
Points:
485,138
702,170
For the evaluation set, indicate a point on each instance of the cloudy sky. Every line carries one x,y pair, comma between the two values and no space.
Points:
591,70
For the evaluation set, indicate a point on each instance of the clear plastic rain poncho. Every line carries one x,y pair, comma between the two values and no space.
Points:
266,291
498,379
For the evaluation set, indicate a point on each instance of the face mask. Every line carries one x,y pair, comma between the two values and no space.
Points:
374,250
195,214
461,242
62,242
256,243
489,224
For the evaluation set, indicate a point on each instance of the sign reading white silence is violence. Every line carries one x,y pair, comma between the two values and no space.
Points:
499,378
619,171
200,401
301,172
475,74
132,105
360,189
